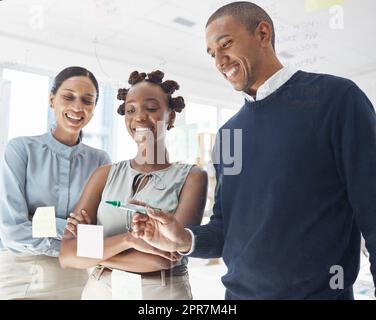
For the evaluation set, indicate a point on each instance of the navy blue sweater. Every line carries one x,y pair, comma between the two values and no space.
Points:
306,190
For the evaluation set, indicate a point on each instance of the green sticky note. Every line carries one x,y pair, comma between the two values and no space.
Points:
316,5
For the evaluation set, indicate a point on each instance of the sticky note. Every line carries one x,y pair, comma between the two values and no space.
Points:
126,285
90,241
316,5
44,223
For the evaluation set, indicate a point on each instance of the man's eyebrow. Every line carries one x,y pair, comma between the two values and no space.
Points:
219,38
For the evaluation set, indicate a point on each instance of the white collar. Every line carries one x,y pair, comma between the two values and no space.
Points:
272,84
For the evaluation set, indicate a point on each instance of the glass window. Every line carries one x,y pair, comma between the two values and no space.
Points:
182,143
202,116
226,114
97,133
28,106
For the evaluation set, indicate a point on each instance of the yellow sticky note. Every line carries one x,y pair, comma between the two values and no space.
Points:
44,223
126,285
316,5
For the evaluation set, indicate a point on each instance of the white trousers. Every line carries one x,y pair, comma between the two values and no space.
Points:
38,277
161,287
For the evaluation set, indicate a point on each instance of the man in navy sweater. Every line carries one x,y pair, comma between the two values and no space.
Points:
290,221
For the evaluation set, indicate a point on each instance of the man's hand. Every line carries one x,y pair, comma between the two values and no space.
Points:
161,230
143,246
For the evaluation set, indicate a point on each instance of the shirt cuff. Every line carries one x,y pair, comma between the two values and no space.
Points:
54,249
192,244
60,228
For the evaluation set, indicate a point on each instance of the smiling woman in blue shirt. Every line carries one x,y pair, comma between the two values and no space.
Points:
49,170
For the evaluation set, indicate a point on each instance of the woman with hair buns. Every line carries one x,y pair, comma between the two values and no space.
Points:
179,189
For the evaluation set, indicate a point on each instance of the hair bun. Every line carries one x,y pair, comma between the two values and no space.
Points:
136,77
177,104
169,86
122,94
121,109
156,76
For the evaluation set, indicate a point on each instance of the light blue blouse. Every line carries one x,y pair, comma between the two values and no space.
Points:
40,171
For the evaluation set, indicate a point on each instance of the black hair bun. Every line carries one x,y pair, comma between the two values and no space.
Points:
136,77
156,76
121,109
122,94
177,104
169,86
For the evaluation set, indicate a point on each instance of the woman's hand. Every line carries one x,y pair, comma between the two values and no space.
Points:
76,218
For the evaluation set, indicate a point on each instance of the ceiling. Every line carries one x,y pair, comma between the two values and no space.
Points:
117,36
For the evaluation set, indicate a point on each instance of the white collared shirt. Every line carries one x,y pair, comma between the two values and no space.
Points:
272,84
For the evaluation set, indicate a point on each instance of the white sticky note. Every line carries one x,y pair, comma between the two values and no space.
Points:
126,285
90,241
44,223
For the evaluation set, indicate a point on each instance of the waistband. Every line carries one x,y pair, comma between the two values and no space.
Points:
177,271
25,257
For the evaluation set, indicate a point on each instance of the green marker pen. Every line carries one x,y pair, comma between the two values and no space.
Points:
129,206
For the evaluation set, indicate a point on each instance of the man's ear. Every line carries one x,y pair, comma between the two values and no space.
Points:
51,100
264,32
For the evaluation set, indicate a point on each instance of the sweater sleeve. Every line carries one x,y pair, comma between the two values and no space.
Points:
355,153
209,238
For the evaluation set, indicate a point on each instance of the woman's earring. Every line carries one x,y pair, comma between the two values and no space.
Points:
170,126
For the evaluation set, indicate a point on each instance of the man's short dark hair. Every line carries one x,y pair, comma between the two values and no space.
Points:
246,13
